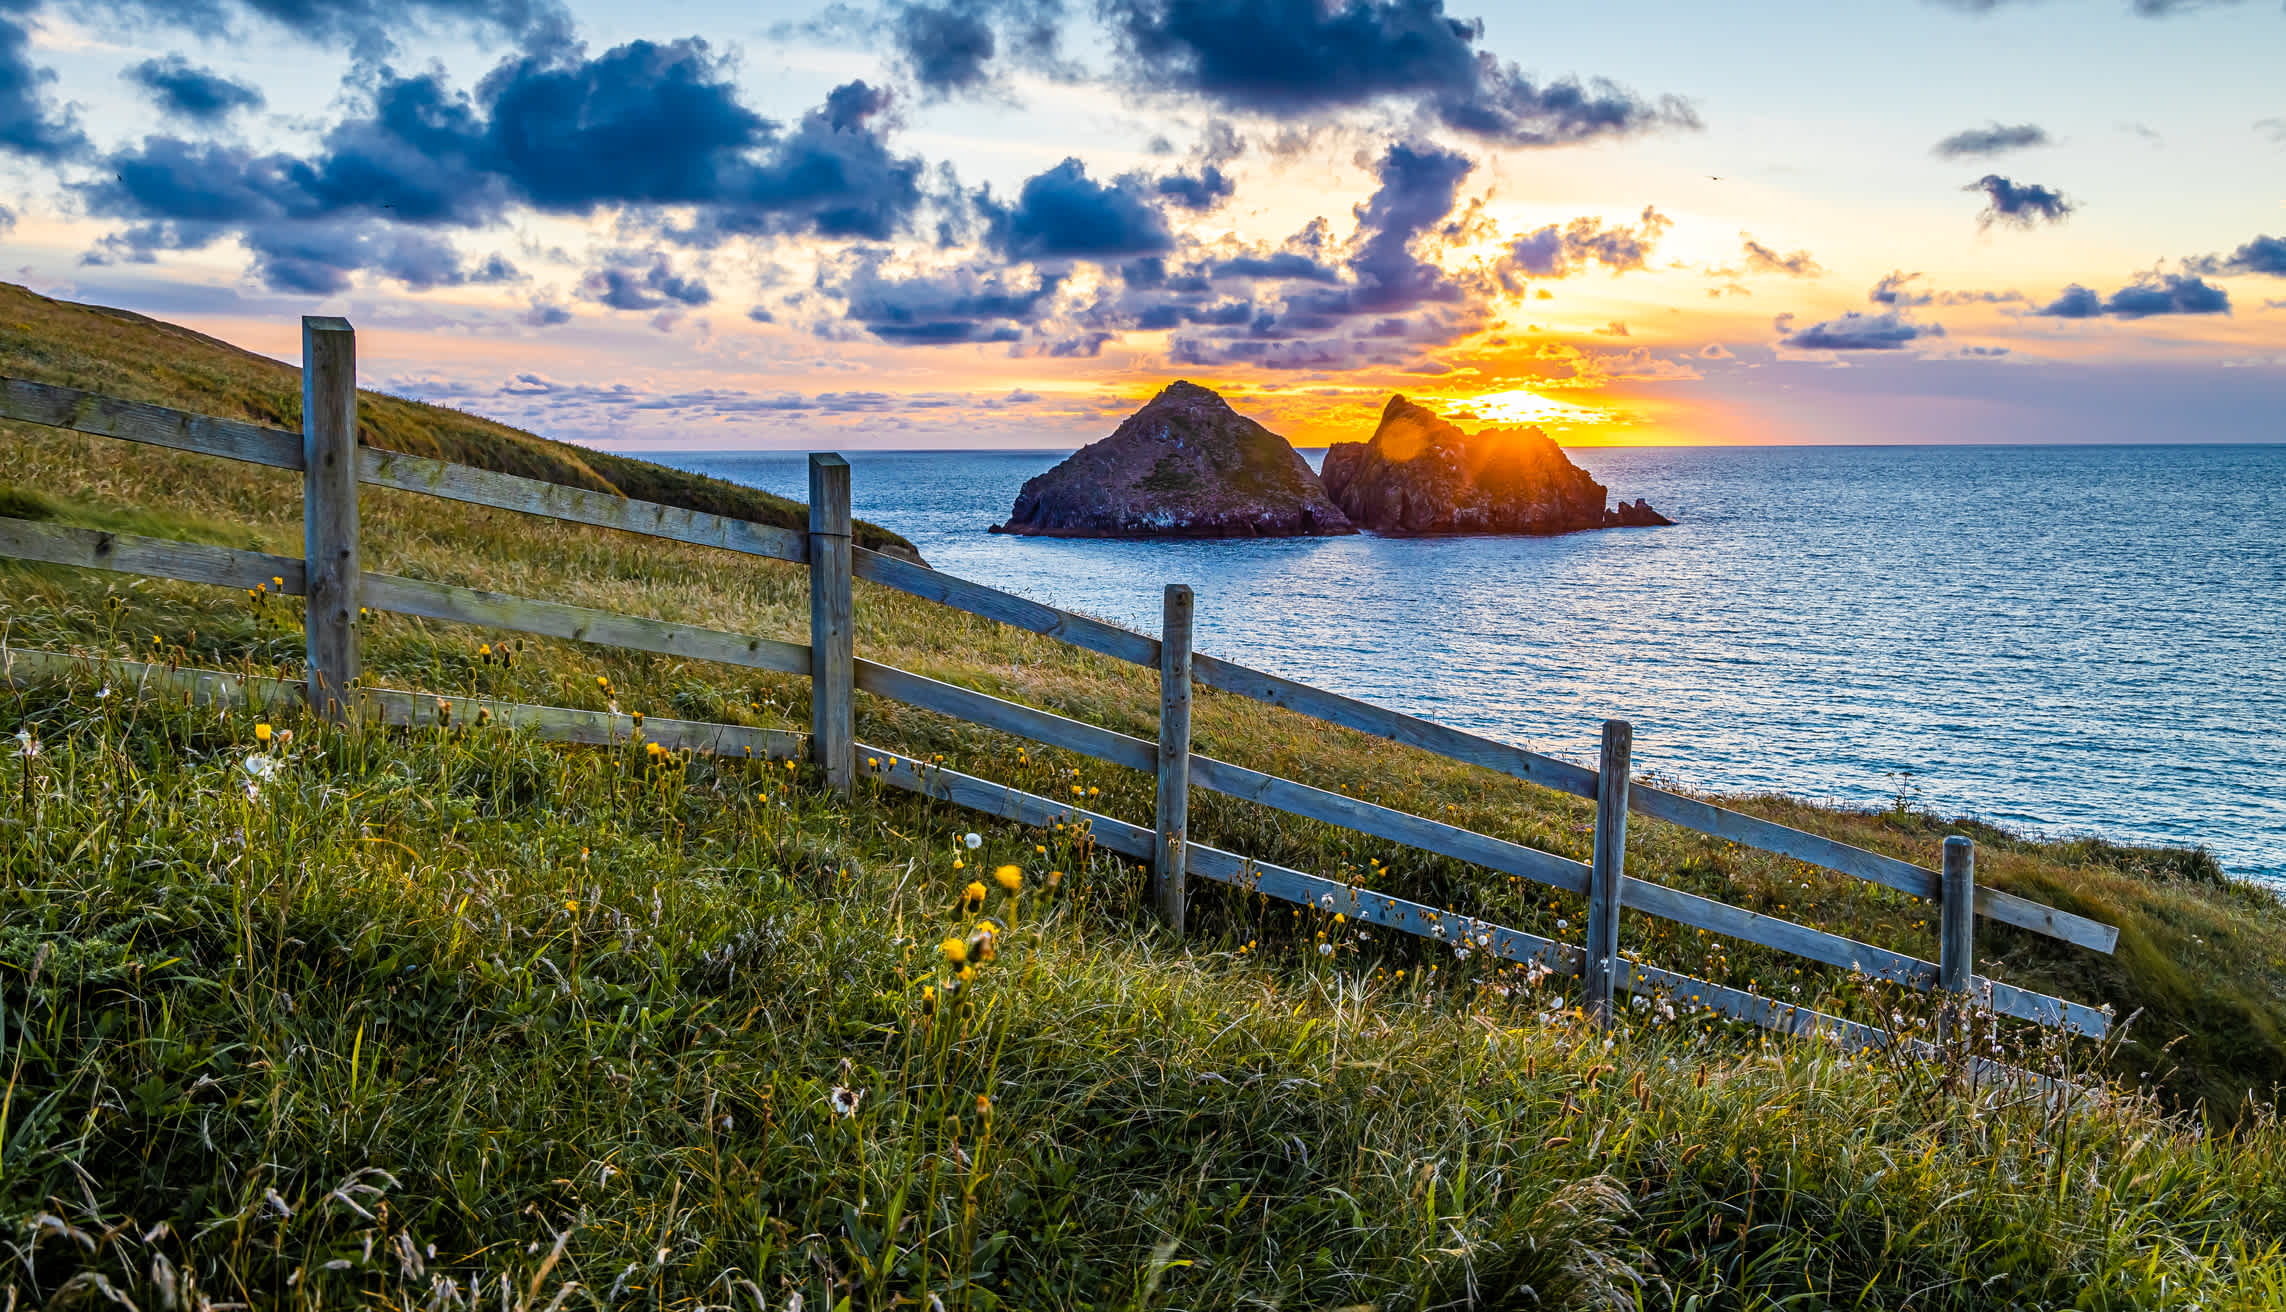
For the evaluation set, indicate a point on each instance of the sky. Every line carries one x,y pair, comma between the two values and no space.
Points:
697,224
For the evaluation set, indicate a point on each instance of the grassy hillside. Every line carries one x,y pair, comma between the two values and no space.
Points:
577,1018
119,353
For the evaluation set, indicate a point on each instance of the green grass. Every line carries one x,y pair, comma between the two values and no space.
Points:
575,1017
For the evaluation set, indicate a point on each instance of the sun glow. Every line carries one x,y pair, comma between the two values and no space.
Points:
1519,406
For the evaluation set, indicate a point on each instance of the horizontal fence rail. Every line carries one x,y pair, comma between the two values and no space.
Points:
330,394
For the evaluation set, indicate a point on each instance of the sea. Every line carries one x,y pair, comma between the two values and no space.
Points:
2060,640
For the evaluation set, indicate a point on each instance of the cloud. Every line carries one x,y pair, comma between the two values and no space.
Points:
1762,259
7,220
1205,190
2145,297
1553,252
1887,331
623,287
1301,58
2273,128
369,29
2261,255
643,126
1993,139
948,49
960,305
2021,205
199,95
1063,213
1894,290
29,125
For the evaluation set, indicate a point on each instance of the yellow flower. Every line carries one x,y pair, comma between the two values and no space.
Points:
958,863
1041,850
967,973
1009,877
262,731
955,951
1094,792
973,893
638,718
653,749
279,581
571,905
484,651
1078,791
602,682
983,1107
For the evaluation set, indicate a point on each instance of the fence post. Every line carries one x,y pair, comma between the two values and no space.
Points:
1608,869
330,556
833,656
1174,810
1956,944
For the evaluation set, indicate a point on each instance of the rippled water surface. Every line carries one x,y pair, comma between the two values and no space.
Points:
2067,640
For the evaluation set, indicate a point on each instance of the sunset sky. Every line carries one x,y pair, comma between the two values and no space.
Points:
700,224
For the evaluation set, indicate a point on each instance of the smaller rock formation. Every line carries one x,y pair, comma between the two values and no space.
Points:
1184,466
1420,474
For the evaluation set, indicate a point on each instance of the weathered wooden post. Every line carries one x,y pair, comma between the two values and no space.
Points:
833,653
1174,810
1956,922
1607,870
330,556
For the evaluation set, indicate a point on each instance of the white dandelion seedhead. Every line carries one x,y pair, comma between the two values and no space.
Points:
26,745
972,841
1563,924
844,1100
1325,949
1460,954
1326,901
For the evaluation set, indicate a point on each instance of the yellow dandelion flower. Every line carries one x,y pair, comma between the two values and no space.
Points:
1009,877
954,950
983,1106
966,974
1041,850
973,893
262,731
959,864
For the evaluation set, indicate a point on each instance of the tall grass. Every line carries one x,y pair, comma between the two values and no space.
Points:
425,1018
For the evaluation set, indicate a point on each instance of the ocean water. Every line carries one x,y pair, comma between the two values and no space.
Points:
2063,640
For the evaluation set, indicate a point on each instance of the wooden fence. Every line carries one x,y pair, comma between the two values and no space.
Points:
336,590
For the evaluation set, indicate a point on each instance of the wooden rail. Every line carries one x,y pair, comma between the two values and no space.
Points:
333,466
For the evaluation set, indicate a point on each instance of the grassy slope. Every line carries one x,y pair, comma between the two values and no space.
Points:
539,987
119,353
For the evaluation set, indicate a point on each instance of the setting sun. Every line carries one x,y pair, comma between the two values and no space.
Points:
1520,406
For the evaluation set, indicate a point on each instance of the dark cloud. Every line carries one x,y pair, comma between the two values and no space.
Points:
30,126
544,314
1205,190
631,285
1384,306
643,125
1895,289
369,29
949,48
2164,294
1064,214
7,220
1558,252
2020,204
1992,139
1295,58
1890,330
200,95
961,305
1762,259
2261,255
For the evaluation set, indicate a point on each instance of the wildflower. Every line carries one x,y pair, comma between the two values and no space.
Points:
928,999
966,974
1055,877
1326,950
1009,877
1563,924
26,745
484,652
1095,792
959,864
973,841
1078,791
844,1100
973,894
571,904
954,950
983,1107
653,749
1041,850
154,640
789,764
279,581
262,731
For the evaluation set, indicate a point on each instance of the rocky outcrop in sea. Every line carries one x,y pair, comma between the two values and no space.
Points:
1420,474
1184,466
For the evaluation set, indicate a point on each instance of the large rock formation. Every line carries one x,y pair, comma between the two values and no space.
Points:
1184,466
1420,474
